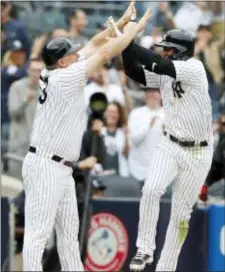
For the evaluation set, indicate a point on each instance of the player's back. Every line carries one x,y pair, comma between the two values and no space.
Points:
60,117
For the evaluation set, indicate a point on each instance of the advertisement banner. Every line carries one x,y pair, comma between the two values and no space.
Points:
113,234
216,242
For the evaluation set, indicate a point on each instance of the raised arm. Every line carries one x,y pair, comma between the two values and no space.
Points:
116,45
132,67
153,62
101,38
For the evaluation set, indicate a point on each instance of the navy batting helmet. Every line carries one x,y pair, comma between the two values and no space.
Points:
56,49
181,41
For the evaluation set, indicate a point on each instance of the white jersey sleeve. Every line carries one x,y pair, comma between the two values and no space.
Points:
152,79
188,71
72,79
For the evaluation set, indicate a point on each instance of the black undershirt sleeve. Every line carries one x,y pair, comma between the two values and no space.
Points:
153,62
132,67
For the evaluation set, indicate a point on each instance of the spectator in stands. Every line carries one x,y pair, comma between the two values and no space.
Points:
216,176
100,27
149,41
218,10
111,141
12,28
115,139
39,42
100,83
133,98
77,24
19,204
191,14
221,99
164,16
206,47
13,68
23,95
146,125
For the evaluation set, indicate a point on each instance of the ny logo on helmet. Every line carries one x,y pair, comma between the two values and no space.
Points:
177,90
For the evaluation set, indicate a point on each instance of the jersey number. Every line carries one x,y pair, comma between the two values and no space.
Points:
42,98
177,89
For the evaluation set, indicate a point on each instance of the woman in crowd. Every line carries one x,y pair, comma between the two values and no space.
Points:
115,138
111,145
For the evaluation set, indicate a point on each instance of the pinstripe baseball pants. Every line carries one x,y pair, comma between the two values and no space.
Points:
187,169
50,203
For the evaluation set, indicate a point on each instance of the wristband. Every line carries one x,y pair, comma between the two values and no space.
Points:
133,17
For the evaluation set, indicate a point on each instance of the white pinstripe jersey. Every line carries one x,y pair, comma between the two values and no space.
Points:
60,116
186,101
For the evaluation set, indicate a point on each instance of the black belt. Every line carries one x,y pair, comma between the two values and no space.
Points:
186,143
54,157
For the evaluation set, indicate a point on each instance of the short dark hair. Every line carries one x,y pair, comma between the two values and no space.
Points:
204,27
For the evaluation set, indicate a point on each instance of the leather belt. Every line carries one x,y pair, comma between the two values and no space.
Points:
186,143
56,158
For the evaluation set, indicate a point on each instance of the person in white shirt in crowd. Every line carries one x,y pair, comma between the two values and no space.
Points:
192,14
146,126
100,83
22,101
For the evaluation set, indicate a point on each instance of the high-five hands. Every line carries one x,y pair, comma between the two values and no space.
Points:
112,27
142,23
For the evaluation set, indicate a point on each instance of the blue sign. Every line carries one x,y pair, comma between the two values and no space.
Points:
216,243
113,234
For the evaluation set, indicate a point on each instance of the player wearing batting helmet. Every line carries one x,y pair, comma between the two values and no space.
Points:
184,155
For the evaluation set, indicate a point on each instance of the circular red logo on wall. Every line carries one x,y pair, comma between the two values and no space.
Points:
107,244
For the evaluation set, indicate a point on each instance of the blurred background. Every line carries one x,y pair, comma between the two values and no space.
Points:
121,133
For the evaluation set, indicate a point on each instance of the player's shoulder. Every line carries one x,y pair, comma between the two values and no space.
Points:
191,68
71,69
195,65
195,61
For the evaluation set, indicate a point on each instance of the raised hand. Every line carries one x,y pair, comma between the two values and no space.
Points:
129,12
113,27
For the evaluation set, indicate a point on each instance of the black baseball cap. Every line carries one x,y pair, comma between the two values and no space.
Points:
56,49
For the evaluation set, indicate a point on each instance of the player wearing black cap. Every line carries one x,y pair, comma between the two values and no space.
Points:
183,157
177,45
56,49
55,144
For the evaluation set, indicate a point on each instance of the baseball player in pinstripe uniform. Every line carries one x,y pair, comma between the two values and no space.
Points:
184,155
55,142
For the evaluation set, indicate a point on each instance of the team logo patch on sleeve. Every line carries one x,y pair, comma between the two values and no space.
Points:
108,243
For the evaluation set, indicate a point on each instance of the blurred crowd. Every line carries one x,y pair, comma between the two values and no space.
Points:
133,120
